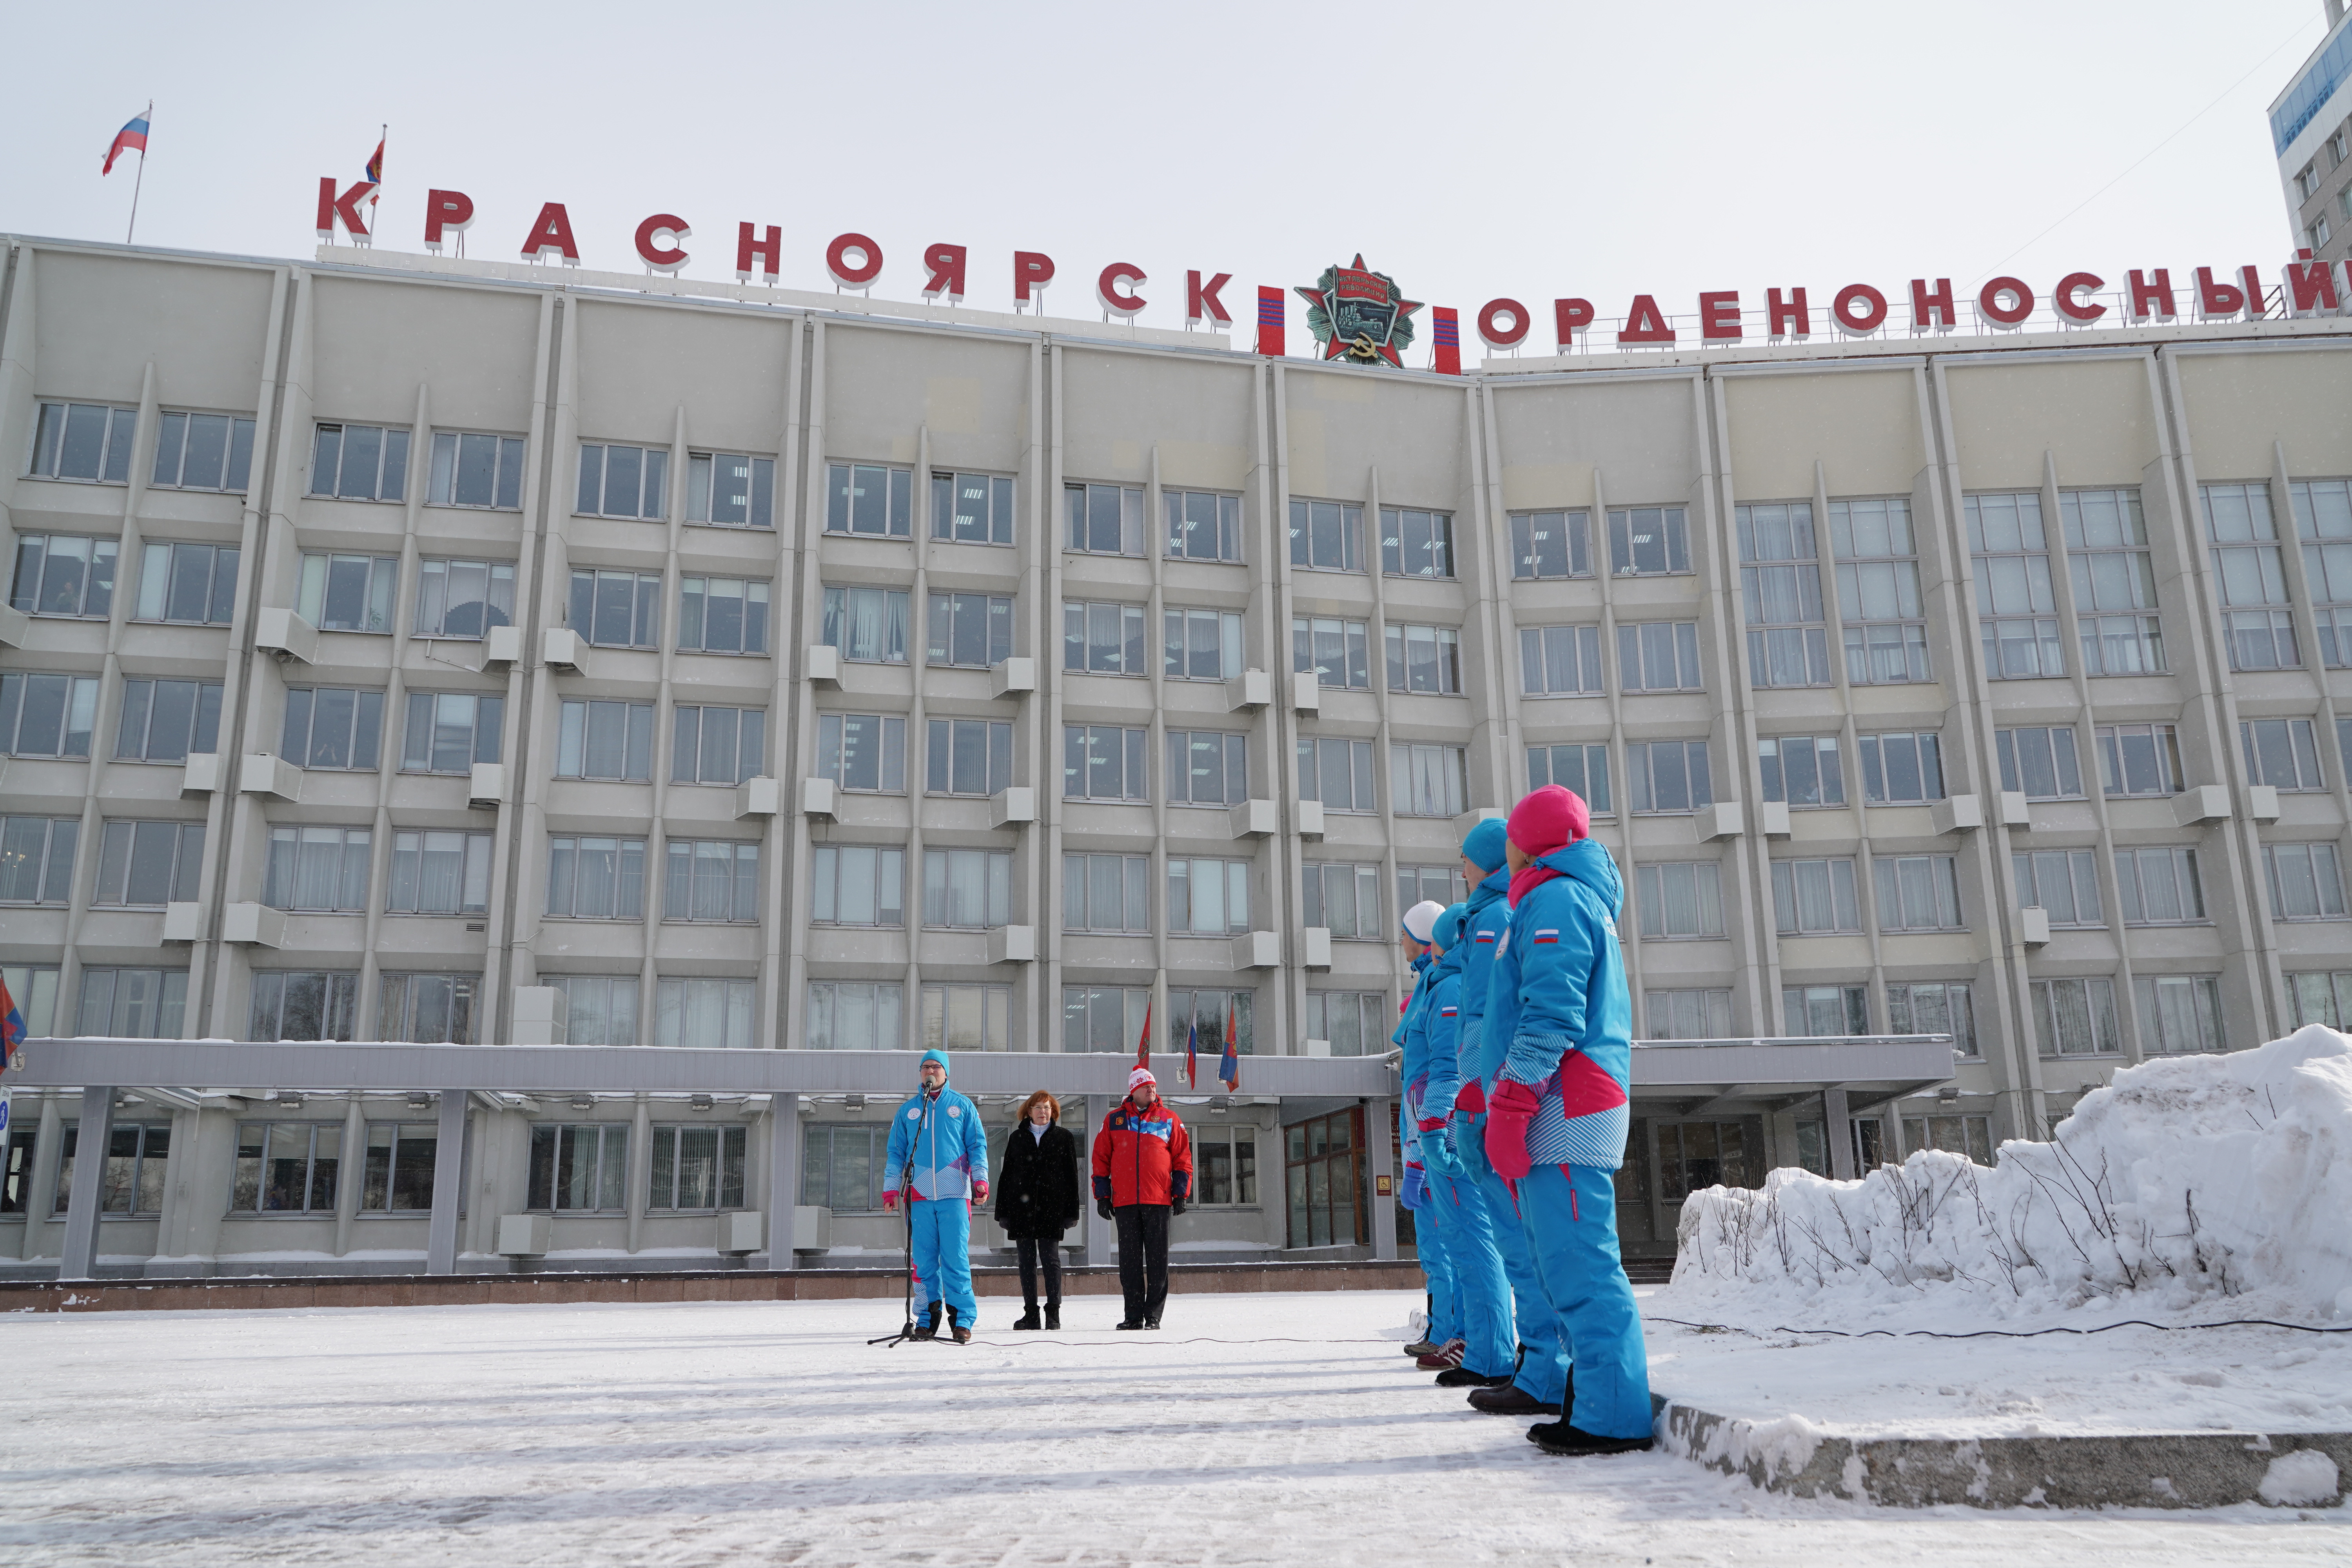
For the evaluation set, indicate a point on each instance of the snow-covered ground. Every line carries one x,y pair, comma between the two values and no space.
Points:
1255,1429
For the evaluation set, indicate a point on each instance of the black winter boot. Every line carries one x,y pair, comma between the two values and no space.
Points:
927,1324
1559,1437
1028,1319
1053,1317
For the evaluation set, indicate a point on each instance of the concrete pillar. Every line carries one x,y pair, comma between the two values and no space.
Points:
1837,1127
1379,1115
783,1176
78,1259
1100,1234
448,1185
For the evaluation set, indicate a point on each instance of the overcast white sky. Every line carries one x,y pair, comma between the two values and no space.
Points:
1531,150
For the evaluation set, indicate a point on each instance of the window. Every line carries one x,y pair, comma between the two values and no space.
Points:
146,865
842,1168
2039,762
967,757
1699,1014
861,497
470,469
347,592
1658,656
2339,145
37,863
63,574
1352,1023
598,1009
2115,586
163,720
1825,1012
1207,897
611,741
323,870
1337,651
718,745
1101,761
1416,543
2159,886
1918,892
967,1017
1550,544
1971,1136
286,1167
1904,767
2063,883
1344,899
969,890
1556,661
595,878
1648,541
206,452
47,715
731,490
1105,1018
1428,781
2016,610
1209,1011
1878,591
1104,519
1425,658
332,727
396,1176
1428,884
2323,520
134,1003
1203,527
1224,1164
2282,753
863,752
466,598
188,584
450,731
977,508
138,1157
2076,1017
84,441
2306,884
2320,996
1934,1007
1584,769
439,874
711,880
698,1167
1668,776
1207,767
869,624
624,483
303,1005
1200,645
35,987
1106,893
1812,896
579,1167
1324,536
1695,1155
429,1009
1323,1179
2138,759
730,614
855,1016
358,462
2316,232
2307,182
1801,770
970,630
617,609
1679,899
1107,639
1780,591
712,1014
2250,573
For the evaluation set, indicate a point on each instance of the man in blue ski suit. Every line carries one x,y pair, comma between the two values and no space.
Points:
1444,1312
1540,1384
939,1156
1557,1114
1453,1203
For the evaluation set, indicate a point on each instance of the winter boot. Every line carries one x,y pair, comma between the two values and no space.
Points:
1445,1358
1053,1319
1463,1377
1509,1399
927,1322
1559,1437
1150,1322
962,1334
1028,1319
1132,1324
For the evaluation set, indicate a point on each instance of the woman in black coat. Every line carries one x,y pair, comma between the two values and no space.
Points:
1037,1199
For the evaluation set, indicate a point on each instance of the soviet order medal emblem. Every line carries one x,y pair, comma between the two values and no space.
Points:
1358,314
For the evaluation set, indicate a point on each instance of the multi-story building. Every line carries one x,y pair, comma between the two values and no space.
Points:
393,644
2311,131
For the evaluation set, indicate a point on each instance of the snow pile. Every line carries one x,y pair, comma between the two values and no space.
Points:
2184,1181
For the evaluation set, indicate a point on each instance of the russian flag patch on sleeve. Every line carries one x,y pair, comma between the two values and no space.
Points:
1550,934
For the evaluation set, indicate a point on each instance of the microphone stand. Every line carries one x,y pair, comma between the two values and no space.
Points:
906,1214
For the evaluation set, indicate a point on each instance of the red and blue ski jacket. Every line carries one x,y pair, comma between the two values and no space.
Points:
1142,1155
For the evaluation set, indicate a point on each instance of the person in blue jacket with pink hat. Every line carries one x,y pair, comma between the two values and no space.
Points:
939,1156
1558,1111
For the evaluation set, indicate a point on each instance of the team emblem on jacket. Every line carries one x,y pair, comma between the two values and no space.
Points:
914,1113
956,1111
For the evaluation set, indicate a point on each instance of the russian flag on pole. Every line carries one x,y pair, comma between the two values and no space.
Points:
132,137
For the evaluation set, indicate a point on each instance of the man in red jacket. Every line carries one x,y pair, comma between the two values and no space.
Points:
1143,1174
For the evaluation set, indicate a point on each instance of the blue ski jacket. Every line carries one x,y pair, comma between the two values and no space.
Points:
942,1132
1483,930
1414,1067
1439,1020
1558,997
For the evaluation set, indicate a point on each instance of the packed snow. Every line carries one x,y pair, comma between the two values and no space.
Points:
1279,1429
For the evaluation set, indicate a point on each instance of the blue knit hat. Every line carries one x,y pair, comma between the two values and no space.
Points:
1483,845
934,1055
1447,929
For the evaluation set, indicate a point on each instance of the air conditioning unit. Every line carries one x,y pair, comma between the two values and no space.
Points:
282,632
183,923
1773,818
502,646
1012,806
1721,820
823,665
1317,1047
2263,803
1013,944
1257,950
741,1232
1250,688
14,624
1317,943
256,925
1310,819
812,1228
1957,813
1013,678
817,798
2033,925
760,796
525,1234
2015,811
2201,802
265,775
1307,693
1254,819
203,774
563,650
487,785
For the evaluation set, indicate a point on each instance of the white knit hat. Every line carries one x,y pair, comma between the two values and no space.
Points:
1421,918
1141,1075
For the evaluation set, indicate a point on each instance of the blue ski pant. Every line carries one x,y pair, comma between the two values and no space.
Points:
1482,1296
1569,1215
1544,1371
942,1228
1437,1268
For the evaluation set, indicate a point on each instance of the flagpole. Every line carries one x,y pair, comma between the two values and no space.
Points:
141,178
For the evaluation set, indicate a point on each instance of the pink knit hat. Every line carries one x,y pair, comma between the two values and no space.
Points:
1140,1076
1549,818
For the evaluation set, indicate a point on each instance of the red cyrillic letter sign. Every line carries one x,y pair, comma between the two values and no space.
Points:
2149,295
1115,286
1718,317
551,232
2075,310
1858,309
446,211
2310,287
663,257
947,265
2006,317
1938,303
768,249
1200,298
1788,314
346,206
869,266
1644,324
1498,336
2217,301
1032,271
1570,317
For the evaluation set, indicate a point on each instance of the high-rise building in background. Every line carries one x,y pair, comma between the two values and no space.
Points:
2311,132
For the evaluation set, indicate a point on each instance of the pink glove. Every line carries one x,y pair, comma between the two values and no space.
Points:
1508,1111
1471,1097
980,1191
891,1199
